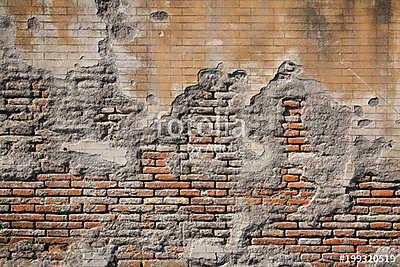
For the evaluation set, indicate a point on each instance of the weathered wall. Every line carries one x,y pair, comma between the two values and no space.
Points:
198,133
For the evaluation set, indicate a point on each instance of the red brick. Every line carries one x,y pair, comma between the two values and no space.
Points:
216,193
189,192
57,208
148,162
359,210
23,192
167,192
52,225
52,217
22,224
57,233
292,148
346,225
215,209
167,184
310,257
371,185
305,148
295,111
21,208
380,225
290,178
300,185
165,208
198,209
382,193
285,225
223,185
154,155
291,133
166,177
299,140
21,217
200,140
381,210
291,103
379,201
14,184
366,249
57,183
129,263
298,201
58,192
273,241
296,126
308,233
94,184
94,208
161,163
344,232
307,249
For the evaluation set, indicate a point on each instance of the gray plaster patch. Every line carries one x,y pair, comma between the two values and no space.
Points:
104,150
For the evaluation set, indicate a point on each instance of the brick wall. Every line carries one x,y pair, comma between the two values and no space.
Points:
185,187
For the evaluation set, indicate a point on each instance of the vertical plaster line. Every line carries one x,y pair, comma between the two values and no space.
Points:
368,86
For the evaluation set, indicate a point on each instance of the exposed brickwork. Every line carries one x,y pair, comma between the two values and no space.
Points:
52,207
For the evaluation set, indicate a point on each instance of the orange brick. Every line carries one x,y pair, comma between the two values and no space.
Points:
382,193
290,178
298,140
291,133
23,192
154,155
380,225
167,184
166,177
292,148
296,126
216,193
273,241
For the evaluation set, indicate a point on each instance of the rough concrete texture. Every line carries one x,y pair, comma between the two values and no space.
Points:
84,125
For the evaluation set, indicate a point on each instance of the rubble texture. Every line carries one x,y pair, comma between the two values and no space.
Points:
90,176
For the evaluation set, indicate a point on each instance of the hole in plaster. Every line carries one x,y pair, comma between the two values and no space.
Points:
373,102
363,123
33,23
159,15
358,110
